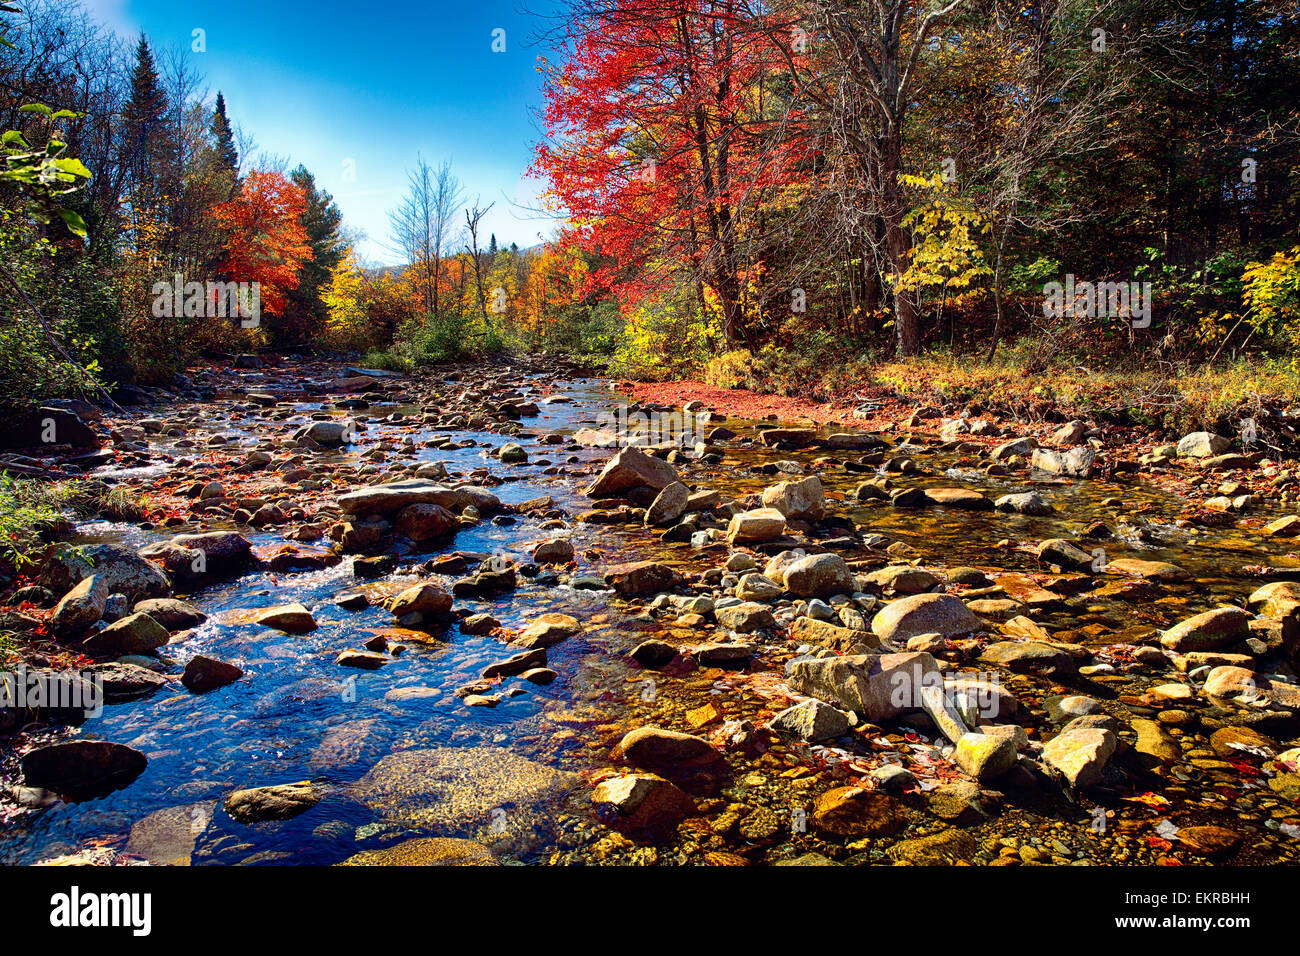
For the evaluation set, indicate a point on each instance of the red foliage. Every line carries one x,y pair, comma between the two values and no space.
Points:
267,243
662,140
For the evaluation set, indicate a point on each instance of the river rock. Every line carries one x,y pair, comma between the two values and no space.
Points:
753,527
656,747
1025,503
802,500
1075,463
207,673
641,578
877,687
985,756
1065,554
512,453
909,617
389,498
134,634
80,607
903,579
426,851
1080,754
643,801
1154,742
1230,681
548,630
1202,445
554,551
290,618
1021,447
278,802
426,521
819,576
811,720
123,570
856,812
173,614
746,617
1029,657
631,468
1208,631
82,768
421,604
669,504
940,849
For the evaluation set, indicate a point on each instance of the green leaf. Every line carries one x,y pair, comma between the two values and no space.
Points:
36,108
74,222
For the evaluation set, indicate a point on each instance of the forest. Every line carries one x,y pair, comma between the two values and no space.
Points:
747,190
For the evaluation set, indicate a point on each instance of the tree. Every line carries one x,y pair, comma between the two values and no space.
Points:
422,224
663,145
306,312
267,243
147,143
225,136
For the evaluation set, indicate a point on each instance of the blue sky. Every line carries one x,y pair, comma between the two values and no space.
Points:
324,82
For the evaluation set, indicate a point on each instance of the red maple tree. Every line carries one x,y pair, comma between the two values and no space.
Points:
266,242
661,145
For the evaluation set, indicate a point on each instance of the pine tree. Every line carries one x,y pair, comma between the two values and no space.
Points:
146,138
306,312
225,136
492,246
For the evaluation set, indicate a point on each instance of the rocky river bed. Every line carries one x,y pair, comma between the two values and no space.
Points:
344,616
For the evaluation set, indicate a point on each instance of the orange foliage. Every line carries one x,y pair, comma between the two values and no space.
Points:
266,241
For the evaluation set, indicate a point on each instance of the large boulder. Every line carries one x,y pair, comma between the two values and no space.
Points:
1208,631
48,425
391,497
82,768
80,607
1075,463
211,552
669,505
919,614
877,687
811,720
426,521
173,614
133,634
1202,445
802,500
123,570
631,468
643,801
641,578
1079,755
279,802
819,576
752,527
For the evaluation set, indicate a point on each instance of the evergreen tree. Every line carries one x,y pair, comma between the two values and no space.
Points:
147,142
306,312
492,246
225,136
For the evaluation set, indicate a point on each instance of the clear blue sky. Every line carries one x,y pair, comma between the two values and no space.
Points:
321,82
